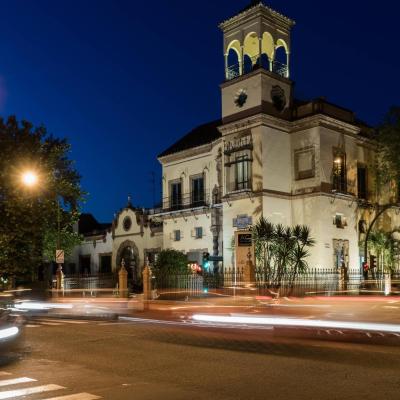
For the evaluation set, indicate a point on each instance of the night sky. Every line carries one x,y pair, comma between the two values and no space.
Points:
122,80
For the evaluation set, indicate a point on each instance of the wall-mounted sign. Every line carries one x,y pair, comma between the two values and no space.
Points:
244,239
242,221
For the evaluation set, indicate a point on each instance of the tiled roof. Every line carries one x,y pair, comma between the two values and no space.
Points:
199,136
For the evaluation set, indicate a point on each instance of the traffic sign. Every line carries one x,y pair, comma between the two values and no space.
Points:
60,256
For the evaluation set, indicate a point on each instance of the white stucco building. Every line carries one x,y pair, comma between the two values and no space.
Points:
270,154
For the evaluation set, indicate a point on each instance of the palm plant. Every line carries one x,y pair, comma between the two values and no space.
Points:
281,251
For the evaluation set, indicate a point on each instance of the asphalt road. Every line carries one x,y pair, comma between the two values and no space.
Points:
132,360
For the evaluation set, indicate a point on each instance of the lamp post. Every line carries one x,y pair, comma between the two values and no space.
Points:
30,179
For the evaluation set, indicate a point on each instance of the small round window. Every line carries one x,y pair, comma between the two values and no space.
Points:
127,223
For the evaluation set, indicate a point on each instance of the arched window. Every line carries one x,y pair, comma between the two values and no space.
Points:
251,47
233,67
281,58
264,63
280,55
247,64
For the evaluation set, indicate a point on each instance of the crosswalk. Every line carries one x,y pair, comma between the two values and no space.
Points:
24,387
38,322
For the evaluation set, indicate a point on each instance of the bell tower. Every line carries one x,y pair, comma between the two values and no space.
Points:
257,51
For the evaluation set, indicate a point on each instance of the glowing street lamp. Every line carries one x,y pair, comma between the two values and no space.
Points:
29,178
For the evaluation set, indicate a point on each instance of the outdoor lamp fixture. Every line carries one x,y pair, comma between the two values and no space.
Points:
338,160
29,178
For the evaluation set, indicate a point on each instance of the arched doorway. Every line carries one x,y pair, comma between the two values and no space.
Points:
128,253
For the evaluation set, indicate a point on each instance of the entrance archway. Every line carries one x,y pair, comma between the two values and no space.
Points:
128,252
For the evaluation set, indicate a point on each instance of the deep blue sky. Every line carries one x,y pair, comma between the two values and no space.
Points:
122,80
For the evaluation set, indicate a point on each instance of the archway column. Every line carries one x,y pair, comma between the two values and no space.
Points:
241,61
259,51
226,66
287,65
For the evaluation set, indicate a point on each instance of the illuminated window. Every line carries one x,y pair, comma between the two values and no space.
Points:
339,172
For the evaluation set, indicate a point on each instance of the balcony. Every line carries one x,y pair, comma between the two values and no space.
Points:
186,202
234,71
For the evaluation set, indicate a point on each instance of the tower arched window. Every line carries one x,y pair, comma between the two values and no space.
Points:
247,64
233,67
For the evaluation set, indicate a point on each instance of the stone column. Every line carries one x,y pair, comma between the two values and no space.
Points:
287,65
123,281
241,61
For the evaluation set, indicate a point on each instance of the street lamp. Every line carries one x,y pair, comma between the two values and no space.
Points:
29,178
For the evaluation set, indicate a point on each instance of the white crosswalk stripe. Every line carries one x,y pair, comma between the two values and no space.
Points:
6,382
11,394
36,390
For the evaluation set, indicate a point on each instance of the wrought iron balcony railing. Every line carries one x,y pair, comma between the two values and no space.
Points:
186,201
235,70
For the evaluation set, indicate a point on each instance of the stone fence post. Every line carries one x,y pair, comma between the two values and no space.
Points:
147,295
123,281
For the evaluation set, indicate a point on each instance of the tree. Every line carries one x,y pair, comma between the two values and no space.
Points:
170,262
386,168
29,216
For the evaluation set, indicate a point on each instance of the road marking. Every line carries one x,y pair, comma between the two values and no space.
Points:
31,326
62,321
77,396
10,394
6,382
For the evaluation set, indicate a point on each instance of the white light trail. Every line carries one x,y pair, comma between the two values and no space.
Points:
8,332
298,322
32,305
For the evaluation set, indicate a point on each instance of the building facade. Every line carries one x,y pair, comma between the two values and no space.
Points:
270,154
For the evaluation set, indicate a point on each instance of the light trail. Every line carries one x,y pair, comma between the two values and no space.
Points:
8,332
297,322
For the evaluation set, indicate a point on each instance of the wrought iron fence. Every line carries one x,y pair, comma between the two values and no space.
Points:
235,70
95,284
316,281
